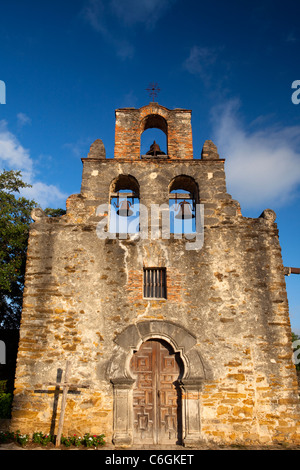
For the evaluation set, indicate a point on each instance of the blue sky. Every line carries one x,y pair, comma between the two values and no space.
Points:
68,65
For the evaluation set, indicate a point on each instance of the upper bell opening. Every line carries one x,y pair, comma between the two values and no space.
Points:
153,143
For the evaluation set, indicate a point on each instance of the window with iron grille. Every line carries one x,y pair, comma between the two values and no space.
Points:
155,286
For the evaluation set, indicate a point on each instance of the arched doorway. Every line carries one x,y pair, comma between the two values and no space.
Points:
157,409
192,368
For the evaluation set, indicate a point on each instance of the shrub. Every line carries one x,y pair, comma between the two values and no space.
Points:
6,436
3,386
41,438
87,440
93,441
5,405
76,440
66,441
21,439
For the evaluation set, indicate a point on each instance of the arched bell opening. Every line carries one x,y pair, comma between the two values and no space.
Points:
153,143
124,205
183,198
154,136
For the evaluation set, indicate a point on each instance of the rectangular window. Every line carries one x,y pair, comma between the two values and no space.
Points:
155,286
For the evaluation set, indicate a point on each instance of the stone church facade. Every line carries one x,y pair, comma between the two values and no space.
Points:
181,338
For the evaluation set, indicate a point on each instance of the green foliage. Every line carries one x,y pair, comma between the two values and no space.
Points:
54,212
87,440
15,218
3,386
39,438
5,405
21,439
5,400
14,228
7,436
93,441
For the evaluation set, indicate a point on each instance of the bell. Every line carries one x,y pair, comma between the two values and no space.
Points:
124,209
155,150
184,211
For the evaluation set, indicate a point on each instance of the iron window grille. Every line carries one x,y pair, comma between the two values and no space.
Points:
155,286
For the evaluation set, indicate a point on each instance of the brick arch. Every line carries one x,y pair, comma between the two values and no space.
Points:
154,121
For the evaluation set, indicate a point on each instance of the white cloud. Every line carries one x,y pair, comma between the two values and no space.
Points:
201,62
95,14
23,119
147,12
45,195
79,148
262,166
101,16
199,59
13,156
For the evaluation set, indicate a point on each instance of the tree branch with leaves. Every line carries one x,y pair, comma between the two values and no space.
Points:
15,219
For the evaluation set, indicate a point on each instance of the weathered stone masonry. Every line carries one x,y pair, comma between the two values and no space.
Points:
226,313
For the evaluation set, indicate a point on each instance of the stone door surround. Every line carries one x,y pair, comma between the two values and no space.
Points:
119,374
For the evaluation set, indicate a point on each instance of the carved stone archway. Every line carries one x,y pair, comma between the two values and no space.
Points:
119,374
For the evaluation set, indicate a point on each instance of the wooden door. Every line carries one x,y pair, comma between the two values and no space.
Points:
156,394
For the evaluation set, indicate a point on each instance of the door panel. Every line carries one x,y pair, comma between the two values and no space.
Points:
156,395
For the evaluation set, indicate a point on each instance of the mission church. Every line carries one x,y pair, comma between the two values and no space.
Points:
182,338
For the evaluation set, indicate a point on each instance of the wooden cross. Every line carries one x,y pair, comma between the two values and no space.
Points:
66,386
288,271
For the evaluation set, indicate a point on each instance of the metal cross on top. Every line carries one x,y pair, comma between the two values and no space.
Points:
65,386
153,90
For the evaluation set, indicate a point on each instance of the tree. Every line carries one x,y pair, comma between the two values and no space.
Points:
14,228
15,218
54,212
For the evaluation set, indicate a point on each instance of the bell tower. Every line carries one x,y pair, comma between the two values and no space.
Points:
131,123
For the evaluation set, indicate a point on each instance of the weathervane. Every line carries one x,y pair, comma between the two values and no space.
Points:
153,90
